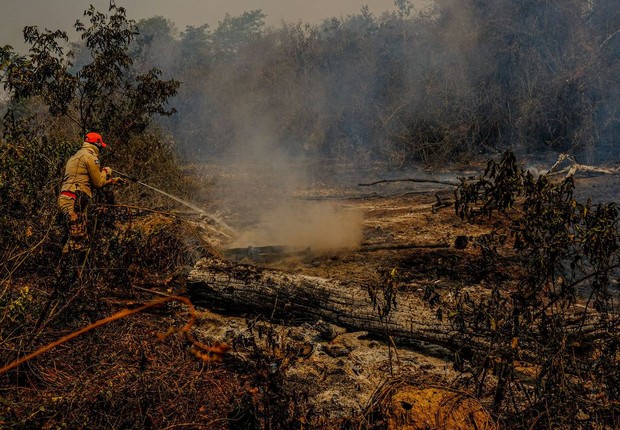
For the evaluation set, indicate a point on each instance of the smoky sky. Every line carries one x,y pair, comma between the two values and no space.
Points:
61,14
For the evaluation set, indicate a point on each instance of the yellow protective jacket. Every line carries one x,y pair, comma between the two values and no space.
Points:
83,171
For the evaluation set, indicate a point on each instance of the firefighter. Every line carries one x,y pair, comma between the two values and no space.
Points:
83,173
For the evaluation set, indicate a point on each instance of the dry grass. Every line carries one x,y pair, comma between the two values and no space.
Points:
416,405
120,376
86,352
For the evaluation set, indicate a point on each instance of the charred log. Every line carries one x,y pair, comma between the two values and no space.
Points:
238,288
261,254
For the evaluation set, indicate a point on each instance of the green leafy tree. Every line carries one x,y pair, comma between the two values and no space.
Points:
236,32
196,46
102,94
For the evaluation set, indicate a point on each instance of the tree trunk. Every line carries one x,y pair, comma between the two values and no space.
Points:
238,288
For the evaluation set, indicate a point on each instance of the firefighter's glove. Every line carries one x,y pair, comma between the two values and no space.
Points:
118,181
107,171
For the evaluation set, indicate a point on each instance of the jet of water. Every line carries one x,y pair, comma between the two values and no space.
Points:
212,218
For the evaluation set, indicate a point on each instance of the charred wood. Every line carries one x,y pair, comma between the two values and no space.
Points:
420,181
383,247
239,288
441,203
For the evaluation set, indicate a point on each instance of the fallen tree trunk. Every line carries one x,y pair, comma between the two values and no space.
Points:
232,288
272,253
237,288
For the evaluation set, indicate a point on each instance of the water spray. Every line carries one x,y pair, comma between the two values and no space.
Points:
183,202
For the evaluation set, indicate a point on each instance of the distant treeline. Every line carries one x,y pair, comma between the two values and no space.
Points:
466,77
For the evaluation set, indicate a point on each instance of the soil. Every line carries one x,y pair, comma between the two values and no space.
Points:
298,374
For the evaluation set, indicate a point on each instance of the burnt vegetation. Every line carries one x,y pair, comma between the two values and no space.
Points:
560,316
461,81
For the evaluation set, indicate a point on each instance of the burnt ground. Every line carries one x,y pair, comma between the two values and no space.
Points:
141,372
402,228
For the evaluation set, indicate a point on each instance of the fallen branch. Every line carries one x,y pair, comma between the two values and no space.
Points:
218,350
576,167
421,181
441,203
371,248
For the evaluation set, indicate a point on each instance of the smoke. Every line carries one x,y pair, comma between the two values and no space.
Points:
374,88
468,78
262,187
321,226
264,199
61,14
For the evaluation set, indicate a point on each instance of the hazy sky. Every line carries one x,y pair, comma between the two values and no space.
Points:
61,14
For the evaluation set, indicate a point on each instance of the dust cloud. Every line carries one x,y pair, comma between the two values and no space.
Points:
320,226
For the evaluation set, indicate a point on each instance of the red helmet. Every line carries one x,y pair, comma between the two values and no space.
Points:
95,138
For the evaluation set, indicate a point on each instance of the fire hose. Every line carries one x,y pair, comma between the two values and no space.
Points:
204,214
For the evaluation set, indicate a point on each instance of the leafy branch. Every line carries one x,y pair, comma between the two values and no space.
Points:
560,313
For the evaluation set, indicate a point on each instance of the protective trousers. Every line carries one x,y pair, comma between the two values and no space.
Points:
74,207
